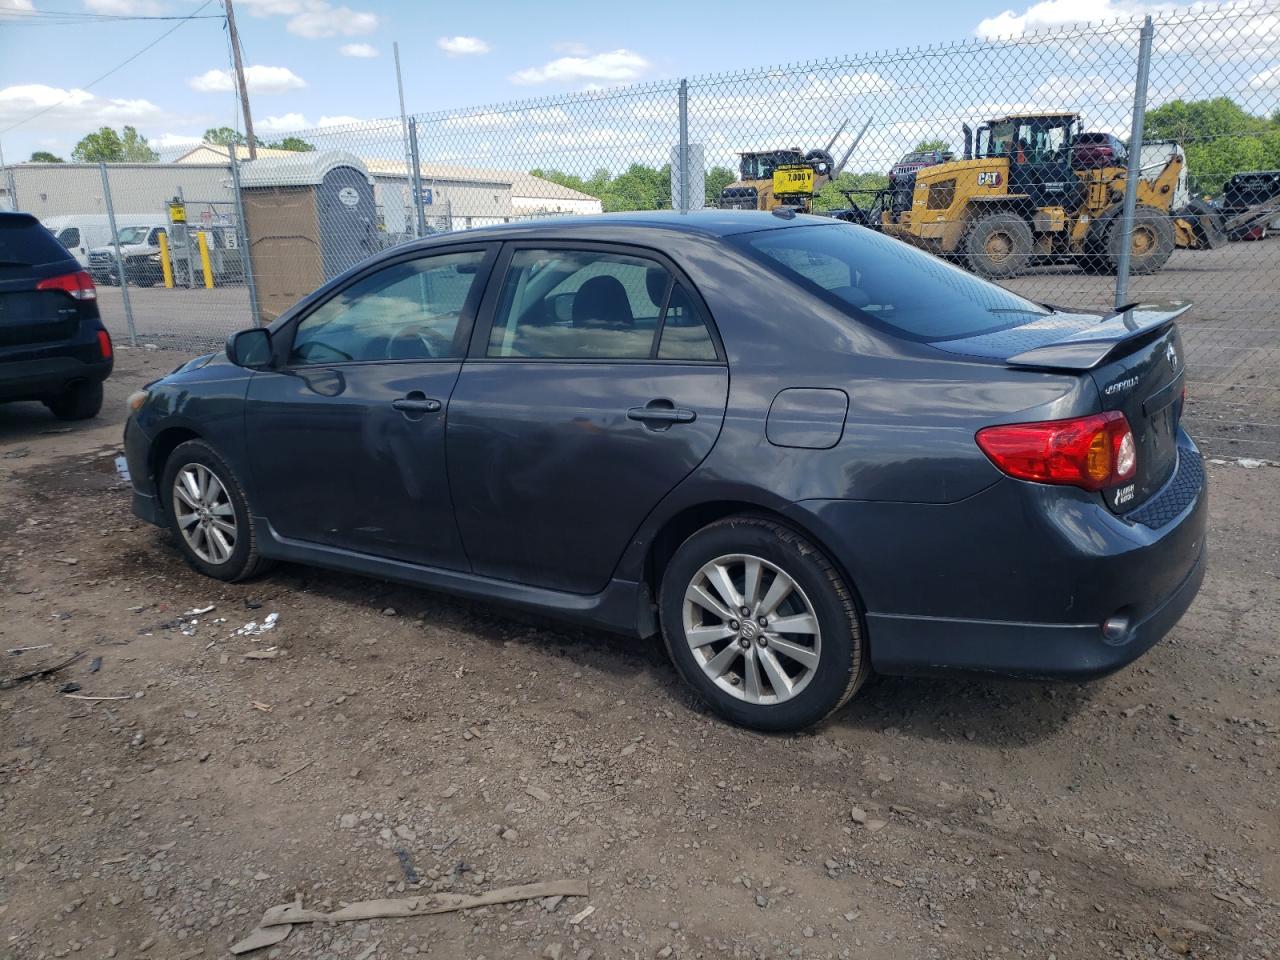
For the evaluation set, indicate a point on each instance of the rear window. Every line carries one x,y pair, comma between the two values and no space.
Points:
889,284
24,242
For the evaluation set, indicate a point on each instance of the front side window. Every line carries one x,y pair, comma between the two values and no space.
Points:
889,283
590,305
407,311
70,237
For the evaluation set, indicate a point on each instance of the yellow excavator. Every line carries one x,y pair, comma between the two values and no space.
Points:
1023,193
785,178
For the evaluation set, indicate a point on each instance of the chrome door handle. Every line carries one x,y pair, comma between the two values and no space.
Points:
661,415
416,405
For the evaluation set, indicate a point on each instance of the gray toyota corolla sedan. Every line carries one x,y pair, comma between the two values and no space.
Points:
798,449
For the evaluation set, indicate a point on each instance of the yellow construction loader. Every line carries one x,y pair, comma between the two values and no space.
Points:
1025,192
785,178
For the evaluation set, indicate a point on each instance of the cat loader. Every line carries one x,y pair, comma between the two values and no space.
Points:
1022,195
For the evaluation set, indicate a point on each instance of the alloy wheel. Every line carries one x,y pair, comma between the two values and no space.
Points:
204,513
751,629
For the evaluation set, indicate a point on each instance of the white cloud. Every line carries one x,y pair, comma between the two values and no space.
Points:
259,79
125,8
462,46
363,51
616,66
174,141
280,124
8,7
322,20
340,121
1049,14
1268,79
315,19
540,116
72,108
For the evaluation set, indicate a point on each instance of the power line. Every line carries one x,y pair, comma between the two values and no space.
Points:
41,18
119,66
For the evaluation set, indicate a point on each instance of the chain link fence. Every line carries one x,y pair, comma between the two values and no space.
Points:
1013,156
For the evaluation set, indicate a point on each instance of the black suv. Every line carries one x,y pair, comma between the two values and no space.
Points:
53,346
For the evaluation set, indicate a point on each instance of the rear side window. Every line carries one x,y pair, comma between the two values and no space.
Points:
592,305
24,242
889,284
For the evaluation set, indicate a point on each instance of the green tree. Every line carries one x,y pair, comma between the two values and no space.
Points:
832,195
44,156
1220,138
928,146
296,144
717,179
128,146
223,136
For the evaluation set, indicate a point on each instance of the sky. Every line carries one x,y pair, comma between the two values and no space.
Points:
326,64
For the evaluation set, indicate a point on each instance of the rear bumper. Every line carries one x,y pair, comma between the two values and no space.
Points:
1019,578
905,645
44,377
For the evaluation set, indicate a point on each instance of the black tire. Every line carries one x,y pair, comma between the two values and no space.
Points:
998,245
244,561
1152,241
80,401
842,662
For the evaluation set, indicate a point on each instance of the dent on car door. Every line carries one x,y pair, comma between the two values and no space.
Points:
593,386
348,436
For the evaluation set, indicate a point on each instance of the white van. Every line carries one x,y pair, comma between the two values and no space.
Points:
1155,154
80,233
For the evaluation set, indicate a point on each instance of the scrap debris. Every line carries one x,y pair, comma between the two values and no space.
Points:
282,918
6,682
255,629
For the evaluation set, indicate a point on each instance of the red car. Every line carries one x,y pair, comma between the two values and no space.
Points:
1092,150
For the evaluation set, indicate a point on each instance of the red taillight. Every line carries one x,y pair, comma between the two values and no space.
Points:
1093,452
78,284
104,344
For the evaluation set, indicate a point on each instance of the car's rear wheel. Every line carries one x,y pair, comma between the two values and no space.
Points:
761,624
80,401
209,513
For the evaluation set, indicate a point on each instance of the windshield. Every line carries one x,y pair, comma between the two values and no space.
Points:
890,284
131,235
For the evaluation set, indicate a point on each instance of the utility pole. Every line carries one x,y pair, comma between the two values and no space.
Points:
244,91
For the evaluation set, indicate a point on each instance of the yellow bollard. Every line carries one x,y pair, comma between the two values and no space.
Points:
203,240
165,266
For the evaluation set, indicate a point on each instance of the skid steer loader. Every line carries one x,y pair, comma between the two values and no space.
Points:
785,178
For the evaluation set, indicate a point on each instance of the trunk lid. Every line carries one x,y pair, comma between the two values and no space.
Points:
1136,361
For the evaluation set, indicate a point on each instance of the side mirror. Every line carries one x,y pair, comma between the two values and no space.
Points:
250,348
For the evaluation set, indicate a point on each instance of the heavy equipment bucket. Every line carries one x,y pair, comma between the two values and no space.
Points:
1206,224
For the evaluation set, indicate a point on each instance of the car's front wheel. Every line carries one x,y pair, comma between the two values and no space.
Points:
209,513
761,624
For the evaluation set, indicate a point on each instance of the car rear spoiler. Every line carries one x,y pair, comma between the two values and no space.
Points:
1087,348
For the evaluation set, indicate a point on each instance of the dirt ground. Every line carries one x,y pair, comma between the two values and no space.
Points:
402,741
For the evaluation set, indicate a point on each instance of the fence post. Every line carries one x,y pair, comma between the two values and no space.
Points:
408,153
684,146
1135,162
115,245
242,238
419,215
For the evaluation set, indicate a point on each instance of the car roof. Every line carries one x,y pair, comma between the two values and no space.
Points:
635,226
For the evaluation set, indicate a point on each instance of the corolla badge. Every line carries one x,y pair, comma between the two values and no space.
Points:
1120,385
1172,355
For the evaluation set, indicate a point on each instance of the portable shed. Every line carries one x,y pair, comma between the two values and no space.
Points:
308,217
